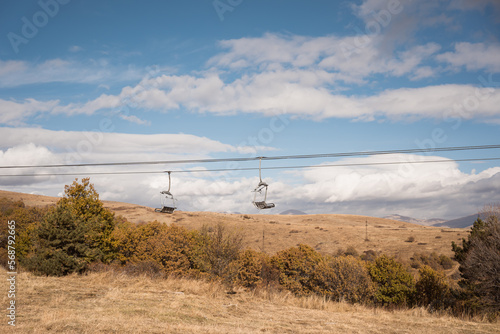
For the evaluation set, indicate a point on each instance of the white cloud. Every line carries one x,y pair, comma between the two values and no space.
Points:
17,73
303,94
415,189
25,155
302,76
297,93
99,146
15,112
473,56
135,119
35,146
12,66
298,51
353,57
75,48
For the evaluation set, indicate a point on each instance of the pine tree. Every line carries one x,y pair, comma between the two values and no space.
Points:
73,234
61,246
479,258
83,201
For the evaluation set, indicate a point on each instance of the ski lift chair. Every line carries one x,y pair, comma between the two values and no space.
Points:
167,200
261,186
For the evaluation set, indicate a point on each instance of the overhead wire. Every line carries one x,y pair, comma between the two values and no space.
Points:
284,157
252,168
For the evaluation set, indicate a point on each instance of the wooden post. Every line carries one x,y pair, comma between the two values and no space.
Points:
366,237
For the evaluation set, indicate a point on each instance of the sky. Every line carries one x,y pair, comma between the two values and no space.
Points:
85,82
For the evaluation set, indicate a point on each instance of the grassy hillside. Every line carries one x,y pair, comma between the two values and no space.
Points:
116,303
325,233
113,302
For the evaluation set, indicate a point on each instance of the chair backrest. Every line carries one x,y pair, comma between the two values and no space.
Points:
263,205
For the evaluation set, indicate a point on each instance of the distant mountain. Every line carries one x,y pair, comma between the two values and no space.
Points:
459,222
425,222
293,212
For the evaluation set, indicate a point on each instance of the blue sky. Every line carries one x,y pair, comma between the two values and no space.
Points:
114,81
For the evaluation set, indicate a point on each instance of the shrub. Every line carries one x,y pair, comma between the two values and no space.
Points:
445,262
216,251
26,218
343,278
432,289
433,260
154,245
395,285
369,255
349,251
250,266
7,206
296,266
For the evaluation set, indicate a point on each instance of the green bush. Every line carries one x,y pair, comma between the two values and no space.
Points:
26,218
432,289
395,285
349,251
369,255
250,267
154,246
343,278
433,260
296,266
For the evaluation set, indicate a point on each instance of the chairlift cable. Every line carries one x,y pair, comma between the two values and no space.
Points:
285,157
251,168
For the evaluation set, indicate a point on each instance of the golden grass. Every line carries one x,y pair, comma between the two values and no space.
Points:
110,302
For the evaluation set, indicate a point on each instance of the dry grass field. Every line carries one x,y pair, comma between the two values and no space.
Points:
116,303
110,302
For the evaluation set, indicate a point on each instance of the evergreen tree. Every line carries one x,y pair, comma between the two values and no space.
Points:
478,230
395,285
61,246
83,201
479,258
74,233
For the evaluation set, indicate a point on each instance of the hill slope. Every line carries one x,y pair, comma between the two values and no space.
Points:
459,222
327,233
426,222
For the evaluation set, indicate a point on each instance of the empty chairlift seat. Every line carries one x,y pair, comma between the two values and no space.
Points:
167,200
262,186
